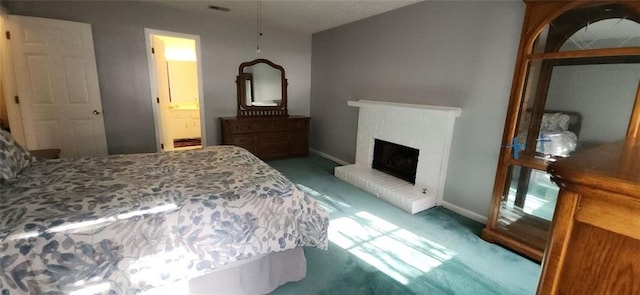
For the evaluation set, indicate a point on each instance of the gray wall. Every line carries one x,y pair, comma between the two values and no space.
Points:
118,33
603,94
435,52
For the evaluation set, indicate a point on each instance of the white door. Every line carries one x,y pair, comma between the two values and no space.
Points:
57,80
162,83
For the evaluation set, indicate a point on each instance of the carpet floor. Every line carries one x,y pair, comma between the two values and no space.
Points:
376,248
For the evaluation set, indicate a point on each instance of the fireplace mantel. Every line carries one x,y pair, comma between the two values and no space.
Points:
427,128
456,111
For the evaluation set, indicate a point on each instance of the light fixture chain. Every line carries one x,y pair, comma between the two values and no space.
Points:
258,23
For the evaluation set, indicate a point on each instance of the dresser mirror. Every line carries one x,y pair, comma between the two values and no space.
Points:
576,86
262,89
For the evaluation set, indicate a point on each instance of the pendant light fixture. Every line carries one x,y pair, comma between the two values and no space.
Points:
258,24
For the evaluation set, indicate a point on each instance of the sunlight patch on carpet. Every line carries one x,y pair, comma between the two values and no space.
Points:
395,251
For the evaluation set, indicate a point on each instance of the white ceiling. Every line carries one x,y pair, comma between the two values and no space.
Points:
305,16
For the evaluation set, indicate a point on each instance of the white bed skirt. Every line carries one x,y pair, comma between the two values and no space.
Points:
260,275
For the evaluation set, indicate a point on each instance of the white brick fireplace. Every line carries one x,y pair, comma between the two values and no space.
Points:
426,128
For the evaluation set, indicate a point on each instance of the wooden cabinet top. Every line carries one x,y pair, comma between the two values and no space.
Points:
263,118
46,153
613,167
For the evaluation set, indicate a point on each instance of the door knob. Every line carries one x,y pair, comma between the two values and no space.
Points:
96,112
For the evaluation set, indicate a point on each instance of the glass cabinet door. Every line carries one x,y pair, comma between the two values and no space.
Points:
580,84
528,203
584,105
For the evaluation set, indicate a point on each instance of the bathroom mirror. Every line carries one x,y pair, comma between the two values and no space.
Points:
262,89
183,82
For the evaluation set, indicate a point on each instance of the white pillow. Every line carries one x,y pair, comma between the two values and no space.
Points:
555,122
13,157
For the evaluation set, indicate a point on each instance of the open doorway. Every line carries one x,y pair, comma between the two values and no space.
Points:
176,89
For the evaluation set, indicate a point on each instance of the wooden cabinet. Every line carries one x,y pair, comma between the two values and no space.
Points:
268,137
185,124
594,246
561,74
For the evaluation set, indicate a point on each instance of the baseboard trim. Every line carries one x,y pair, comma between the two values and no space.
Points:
464,212
331,158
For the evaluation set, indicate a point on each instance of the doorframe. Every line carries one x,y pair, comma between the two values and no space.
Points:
153,84
9,83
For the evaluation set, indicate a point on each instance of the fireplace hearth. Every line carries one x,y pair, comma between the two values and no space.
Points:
394,159
426,129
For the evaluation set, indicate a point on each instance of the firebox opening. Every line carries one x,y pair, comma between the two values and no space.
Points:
394,159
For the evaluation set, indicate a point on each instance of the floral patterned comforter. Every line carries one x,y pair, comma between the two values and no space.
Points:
125,223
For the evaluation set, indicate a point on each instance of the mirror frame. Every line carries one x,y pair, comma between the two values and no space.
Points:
260,111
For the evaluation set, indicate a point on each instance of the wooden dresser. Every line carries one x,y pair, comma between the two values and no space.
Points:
268,137
594,247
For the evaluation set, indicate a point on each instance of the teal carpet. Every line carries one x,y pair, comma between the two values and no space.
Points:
376,248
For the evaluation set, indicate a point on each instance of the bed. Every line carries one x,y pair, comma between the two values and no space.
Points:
123,224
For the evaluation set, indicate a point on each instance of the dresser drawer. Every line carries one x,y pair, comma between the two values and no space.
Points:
299,143
273,137
299,137
270,126
245,141
238,127
268,137
299,124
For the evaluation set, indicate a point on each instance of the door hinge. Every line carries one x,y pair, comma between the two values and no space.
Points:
16,99
157,99
8,35
153,50
162,146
